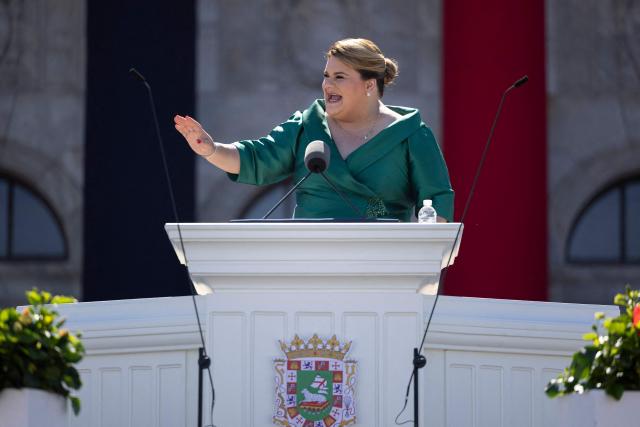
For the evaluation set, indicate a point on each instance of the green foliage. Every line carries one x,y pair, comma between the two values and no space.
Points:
611,360
36,352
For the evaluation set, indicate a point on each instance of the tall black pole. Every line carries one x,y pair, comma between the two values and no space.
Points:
203,363
419,361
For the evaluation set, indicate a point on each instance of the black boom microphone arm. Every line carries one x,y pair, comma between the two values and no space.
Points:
316,158
419,361
304,178
204,362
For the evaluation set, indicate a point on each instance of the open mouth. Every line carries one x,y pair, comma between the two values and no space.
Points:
333,98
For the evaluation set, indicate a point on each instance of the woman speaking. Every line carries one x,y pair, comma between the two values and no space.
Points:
384,158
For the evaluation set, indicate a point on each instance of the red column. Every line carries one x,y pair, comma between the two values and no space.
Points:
487,46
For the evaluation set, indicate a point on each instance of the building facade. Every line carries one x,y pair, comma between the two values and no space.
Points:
264,62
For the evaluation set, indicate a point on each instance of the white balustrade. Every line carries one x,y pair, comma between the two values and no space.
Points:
488,360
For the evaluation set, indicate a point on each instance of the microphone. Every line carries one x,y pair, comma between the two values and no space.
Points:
420,361
317,156
316,159
137,75
204,362
522,80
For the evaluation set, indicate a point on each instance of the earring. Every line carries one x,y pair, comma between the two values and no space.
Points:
368,93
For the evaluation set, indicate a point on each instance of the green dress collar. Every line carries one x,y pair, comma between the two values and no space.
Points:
315,121
347,173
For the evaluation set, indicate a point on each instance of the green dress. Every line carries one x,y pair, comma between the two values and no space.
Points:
387,177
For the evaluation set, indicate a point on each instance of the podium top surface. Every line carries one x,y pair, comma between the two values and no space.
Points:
319,256
306,230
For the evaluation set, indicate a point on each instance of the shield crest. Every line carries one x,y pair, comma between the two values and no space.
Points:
315,384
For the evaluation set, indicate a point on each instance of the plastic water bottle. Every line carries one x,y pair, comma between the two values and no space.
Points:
427,213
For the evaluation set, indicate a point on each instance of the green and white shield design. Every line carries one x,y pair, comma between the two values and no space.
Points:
314,394
315,384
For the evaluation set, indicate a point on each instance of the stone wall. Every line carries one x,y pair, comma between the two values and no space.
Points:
260,60
42,89
593,75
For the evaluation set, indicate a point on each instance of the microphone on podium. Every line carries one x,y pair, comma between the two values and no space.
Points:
317,157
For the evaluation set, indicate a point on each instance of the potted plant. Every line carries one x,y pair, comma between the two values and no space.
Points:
602,384
37,358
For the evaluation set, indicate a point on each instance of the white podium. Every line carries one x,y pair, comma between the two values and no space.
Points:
312,257
488,359
362,282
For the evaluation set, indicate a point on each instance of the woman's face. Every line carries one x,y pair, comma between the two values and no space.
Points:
345,92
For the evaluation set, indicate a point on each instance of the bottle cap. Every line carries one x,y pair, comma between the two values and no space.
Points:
426,202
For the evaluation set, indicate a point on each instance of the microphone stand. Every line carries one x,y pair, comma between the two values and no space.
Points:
204,362
420,361
298,185
347,201
286,195
316,164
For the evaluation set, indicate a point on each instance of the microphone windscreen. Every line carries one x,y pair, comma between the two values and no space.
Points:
135,73
522,80
316,156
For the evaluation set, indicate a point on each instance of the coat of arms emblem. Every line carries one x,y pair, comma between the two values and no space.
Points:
315,384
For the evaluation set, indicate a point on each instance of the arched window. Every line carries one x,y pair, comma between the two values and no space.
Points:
607,231
29,229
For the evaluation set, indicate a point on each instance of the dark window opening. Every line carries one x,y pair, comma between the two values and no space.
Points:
607,231
29,228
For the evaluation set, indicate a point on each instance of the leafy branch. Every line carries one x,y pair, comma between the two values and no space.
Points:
611,360
36,351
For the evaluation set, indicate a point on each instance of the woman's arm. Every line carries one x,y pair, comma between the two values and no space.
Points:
223,156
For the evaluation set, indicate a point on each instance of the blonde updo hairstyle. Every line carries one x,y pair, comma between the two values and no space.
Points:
365,57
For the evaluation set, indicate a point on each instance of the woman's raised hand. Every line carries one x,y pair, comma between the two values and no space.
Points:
226,156
192,131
